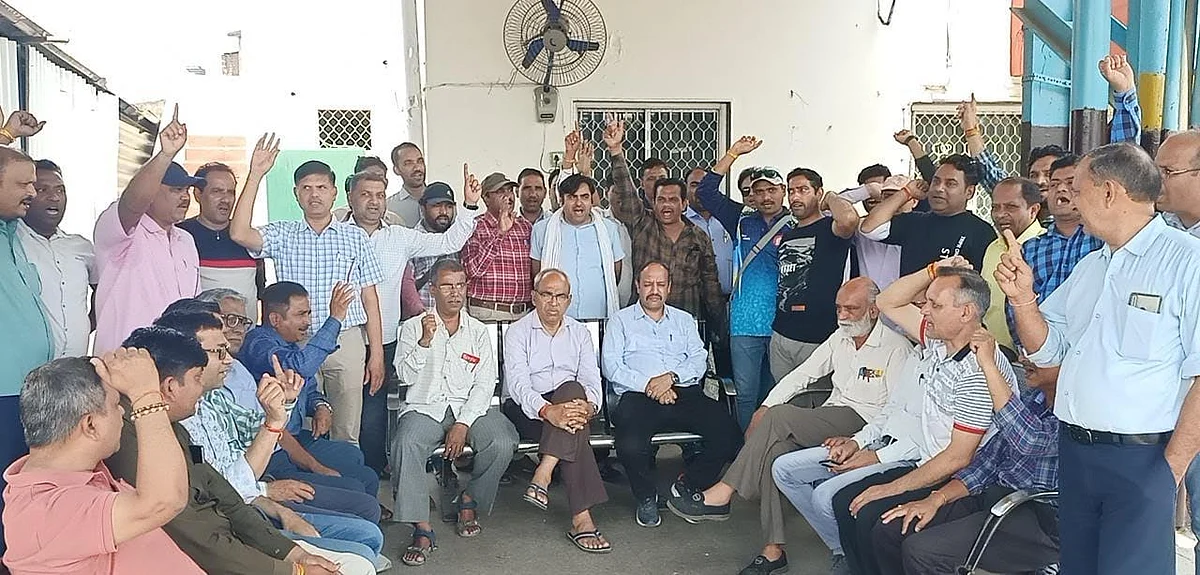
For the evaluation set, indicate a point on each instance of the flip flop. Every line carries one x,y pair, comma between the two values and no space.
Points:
534,499
577,539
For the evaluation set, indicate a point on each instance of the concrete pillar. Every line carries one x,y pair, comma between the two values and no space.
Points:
1152,68
1091,28
1173,90
1046,85
413,78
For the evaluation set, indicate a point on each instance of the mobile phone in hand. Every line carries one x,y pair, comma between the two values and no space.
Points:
828,462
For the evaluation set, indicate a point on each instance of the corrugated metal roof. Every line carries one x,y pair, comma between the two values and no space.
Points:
16,26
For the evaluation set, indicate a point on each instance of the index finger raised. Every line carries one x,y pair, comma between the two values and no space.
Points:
1014,247
279,374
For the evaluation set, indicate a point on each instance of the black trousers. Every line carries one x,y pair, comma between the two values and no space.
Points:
1026,541
373,439
856,532
638,418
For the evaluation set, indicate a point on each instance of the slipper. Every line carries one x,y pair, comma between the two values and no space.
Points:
577,539
534,499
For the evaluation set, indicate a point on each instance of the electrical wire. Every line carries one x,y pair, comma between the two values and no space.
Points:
879,12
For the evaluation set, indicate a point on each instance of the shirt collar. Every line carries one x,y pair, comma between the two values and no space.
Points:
17,476
1174,221
1141,241
641,313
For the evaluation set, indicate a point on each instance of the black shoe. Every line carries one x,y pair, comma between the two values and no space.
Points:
691,508
647,513
760,566
609,473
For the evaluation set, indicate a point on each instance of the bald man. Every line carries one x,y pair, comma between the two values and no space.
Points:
865,359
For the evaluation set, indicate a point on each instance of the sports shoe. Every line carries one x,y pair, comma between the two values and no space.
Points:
647,513
690,507
760,566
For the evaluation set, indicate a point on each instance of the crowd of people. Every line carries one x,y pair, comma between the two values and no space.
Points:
165,403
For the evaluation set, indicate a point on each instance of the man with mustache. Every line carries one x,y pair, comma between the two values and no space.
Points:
223,263
65,262
865,359
437,215
1016,204
146,262
409,163
531,191
813,257
394,246
496,256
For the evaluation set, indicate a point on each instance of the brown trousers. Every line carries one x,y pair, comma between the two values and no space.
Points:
580,473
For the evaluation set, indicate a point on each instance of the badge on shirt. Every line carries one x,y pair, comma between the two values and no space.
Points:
1145,302
473,360
869,373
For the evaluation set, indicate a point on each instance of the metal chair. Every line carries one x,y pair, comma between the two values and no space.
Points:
999,512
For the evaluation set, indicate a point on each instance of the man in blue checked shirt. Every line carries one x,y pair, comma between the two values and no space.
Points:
935,534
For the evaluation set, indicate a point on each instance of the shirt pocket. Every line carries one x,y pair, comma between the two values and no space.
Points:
1140,333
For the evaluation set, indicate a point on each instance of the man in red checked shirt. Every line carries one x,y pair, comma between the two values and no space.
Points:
496,257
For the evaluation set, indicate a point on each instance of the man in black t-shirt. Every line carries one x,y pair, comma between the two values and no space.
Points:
813,260
947,230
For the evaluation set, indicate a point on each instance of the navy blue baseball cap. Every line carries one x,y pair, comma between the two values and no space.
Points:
437,193
177,177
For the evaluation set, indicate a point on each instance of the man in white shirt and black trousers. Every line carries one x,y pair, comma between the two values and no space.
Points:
447,359
1125,328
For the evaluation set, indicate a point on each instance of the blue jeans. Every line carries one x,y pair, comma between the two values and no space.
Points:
364,538
751,374
1192,481
343,457
372,437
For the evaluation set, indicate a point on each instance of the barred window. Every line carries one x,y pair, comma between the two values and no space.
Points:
344,128
684,135
936,125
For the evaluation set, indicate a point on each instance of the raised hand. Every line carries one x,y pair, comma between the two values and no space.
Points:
1013,275
572,145
22,124
968,114
614,134
1117,72
745,145
339,303
984,346
428,328
289,381
902,137
270,397
262,159
953,262
130,371
472,189
917,188
585,158
174,136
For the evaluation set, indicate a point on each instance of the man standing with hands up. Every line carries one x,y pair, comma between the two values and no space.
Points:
1123,327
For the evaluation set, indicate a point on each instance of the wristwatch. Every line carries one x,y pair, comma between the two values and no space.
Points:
674,378
470,207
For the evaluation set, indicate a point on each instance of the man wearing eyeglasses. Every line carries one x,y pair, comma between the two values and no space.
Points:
496,256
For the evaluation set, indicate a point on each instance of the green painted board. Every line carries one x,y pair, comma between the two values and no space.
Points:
281,199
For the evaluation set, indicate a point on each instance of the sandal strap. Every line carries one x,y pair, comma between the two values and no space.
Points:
585,535
430,535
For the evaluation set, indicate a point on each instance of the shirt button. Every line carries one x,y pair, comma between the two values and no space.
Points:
1097,316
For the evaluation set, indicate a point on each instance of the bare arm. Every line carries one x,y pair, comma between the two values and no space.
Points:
845,217
888,208
895,302
1185,442
147,182
261,162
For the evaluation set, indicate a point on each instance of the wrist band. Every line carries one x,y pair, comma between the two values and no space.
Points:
278,430
134,403
732,154
931,269
909,140
152,408
7,134
971,132
1031,301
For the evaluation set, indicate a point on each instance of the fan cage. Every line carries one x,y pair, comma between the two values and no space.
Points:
526,22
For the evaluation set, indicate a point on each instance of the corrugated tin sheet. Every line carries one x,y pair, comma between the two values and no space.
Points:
8,75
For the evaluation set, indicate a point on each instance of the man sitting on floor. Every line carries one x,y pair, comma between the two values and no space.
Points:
552,384
655,360
287,317
866,360
446,359
217,530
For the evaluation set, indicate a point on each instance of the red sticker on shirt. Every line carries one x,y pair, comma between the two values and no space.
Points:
470,358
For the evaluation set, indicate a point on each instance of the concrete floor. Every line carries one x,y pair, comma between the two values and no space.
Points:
518,538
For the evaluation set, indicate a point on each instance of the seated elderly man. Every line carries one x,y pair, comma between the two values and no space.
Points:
865,359
935,534
287,316
446,359
957,408
655,360
217,529
552,384
242,467
64,510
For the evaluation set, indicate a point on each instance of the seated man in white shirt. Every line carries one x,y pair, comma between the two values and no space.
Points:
446,358
865,359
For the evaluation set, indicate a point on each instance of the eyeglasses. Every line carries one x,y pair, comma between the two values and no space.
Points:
451,288
1167,172
222,351
558,298
235,321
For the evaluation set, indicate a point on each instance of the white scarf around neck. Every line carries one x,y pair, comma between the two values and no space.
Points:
552,253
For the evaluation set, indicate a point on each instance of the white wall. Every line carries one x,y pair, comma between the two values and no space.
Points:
821,81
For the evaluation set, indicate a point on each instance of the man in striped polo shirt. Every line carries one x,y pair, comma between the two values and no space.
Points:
223,263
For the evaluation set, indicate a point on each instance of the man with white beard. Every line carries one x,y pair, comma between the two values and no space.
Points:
865,359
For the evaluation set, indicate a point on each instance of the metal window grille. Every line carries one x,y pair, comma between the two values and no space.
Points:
936,125
684,135
344,128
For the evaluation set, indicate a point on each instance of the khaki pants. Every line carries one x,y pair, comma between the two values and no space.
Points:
787,354
490,315
341,377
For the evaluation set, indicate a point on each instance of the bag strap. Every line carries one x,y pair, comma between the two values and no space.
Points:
763,241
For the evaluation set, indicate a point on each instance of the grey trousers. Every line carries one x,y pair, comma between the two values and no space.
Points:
784,428
492,437
786,354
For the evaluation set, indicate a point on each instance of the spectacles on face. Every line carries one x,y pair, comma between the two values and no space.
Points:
221,351
451,288
558,298
236,321
1168,172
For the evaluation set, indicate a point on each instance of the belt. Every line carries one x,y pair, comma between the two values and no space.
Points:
521,307
1088,436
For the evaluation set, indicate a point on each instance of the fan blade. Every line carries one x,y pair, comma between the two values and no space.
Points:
552,12
531,54
549,69
582,46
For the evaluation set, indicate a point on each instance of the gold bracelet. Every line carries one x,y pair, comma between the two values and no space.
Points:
152,408
134,403
971,132
931,269
1031,301
4,132
732,154
945,499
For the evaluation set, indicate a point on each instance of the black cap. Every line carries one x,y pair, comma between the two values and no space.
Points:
437,193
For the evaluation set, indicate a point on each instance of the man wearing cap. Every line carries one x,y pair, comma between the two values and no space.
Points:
394,245
437,215
319,253
755,270
496,256
145,262
223,263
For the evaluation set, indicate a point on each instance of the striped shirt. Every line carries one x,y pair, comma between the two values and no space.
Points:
223,263
497,264
317,261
